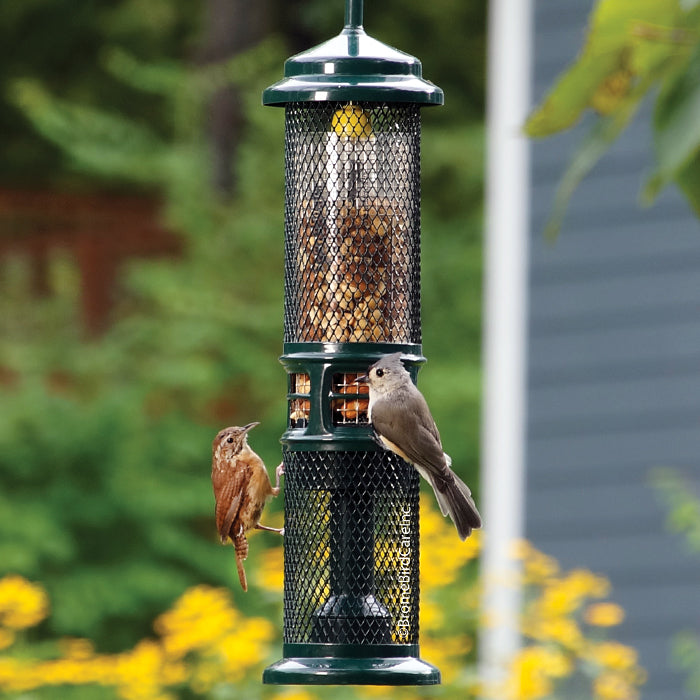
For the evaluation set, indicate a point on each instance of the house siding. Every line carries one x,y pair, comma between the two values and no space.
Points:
613,370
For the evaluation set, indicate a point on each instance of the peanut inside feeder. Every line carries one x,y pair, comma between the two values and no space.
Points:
299,408
353,245
350,408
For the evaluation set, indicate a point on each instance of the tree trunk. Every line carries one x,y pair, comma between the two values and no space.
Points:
230,27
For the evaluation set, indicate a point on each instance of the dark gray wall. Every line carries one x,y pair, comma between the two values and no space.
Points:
613,371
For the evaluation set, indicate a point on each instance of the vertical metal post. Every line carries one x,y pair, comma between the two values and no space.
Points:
505,313
353,13
352,605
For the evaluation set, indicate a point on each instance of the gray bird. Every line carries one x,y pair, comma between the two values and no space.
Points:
402,420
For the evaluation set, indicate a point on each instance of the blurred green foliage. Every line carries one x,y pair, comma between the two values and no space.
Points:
105,444
683,503
62,43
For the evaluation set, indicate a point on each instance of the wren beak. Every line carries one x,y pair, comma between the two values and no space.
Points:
250,426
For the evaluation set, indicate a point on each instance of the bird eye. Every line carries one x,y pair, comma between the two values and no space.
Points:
229,439
380,372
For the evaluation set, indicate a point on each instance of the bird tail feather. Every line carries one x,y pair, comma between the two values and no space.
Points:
455,499
240,544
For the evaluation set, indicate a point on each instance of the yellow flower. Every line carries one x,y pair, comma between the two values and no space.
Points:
563,596
205,676
531,675
440,558
613,686
604,614
245,645
76,648
7,637
537,567
447,653
557,599
204,620
205,641
520,549
10,671
198,620
22,604
139,672
560,629
270,571
613,655
431,615
587,583
296,695
530,679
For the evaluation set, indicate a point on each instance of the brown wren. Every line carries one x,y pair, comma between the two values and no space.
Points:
241,489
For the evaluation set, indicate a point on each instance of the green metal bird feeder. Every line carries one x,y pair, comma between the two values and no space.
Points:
352,294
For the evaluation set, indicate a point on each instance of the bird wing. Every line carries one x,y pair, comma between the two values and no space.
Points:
409,426
230,488
258,476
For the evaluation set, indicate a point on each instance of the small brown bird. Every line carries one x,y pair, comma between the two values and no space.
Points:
241,489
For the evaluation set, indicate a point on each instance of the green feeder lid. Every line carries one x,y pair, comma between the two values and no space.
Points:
353,66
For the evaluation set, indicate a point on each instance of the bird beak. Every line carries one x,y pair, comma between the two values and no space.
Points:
250,426
362,380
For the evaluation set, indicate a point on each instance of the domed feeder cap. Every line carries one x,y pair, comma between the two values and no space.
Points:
353,66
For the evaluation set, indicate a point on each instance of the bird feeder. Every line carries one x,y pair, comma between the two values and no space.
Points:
352,294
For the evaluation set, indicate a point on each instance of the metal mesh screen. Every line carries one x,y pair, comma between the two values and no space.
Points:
350,400
352,223
351,548
299,401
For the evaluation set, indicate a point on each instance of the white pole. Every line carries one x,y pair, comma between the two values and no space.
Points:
505,314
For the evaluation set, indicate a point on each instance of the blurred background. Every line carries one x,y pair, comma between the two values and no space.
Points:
141,272
141,292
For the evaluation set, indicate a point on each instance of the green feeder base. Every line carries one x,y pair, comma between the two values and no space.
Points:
351,664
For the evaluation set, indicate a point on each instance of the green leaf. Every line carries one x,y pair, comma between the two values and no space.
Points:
688,179
159,79
613,43
686,656
677,130
614,20
599,139
572,93
101,142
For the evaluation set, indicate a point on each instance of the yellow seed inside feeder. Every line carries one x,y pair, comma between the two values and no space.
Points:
352,121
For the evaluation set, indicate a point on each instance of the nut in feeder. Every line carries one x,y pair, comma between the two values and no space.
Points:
352,295
352,254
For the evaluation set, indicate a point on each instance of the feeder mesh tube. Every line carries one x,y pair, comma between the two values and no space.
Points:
352,278
352,225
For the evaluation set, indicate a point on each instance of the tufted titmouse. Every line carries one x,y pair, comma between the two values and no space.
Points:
402,420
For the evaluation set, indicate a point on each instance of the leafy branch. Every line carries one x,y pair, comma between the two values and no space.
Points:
634,49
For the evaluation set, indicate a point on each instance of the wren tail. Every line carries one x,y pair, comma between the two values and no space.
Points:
455,499
240,544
